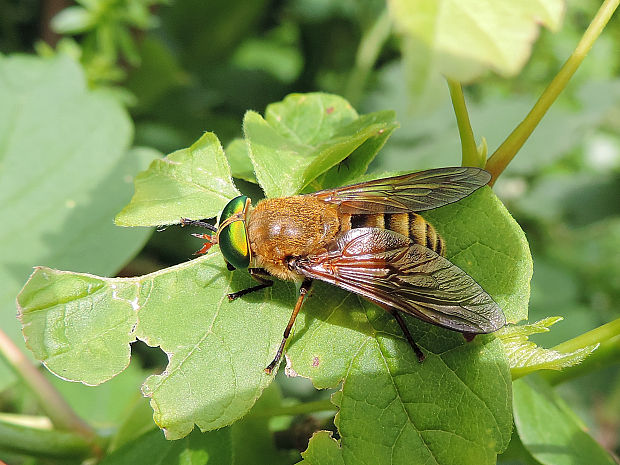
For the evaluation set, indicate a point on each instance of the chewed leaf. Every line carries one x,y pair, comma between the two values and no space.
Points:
194,182
81,326
304,136
525,356
452,409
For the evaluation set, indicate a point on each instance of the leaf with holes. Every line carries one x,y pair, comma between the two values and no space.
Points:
80,326
454,408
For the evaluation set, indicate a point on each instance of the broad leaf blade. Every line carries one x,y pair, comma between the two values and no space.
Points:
305,135
193,183
464,39
81,326
239,160
484,240
452,409
61,183
550,430
391,407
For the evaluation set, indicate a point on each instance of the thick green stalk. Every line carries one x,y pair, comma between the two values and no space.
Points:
51,402
513,143
30,441
596,336
470,155
607,335
607,353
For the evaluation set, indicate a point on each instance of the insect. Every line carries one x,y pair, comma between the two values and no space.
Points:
365,238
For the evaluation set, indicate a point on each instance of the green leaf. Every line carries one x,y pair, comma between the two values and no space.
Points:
464,39
239,159
196,449
525,356
81,325
193,183
452,409
516,453
106,405
341,337
322,450
550,430
278,53
60,183
355,165
213,378
305,135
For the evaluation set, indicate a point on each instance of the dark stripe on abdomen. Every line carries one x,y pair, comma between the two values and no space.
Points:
411,225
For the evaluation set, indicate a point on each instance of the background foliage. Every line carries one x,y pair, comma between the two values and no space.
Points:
125,81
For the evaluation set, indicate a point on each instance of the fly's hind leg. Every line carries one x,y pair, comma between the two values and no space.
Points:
259,275
403,327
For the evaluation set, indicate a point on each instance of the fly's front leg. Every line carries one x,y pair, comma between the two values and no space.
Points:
403,327
303,290
259,275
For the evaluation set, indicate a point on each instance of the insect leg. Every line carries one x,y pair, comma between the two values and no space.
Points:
259,275
403,326
202,224
303,290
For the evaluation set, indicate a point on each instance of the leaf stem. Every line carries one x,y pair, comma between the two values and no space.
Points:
21,439
470,155
596,336
53,404
513,143
367,53
298,409
608,352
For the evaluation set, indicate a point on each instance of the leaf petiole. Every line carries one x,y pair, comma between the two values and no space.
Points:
607,335
513,143
53,404
470,154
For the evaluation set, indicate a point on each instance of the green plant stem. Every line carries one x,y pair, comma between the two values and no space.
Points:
596,336
53,404
370,46
31,441
513,143
606,354
470,156
298,409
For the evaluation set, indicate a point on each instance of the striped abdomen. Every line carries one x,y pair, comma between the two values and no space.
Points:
411,225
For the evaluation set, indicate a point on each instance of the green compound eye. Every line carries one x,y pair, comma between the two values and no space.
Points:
233,239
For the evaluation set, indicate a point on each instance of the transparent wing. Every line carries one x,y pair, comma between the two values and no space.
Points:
411,192
389,269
